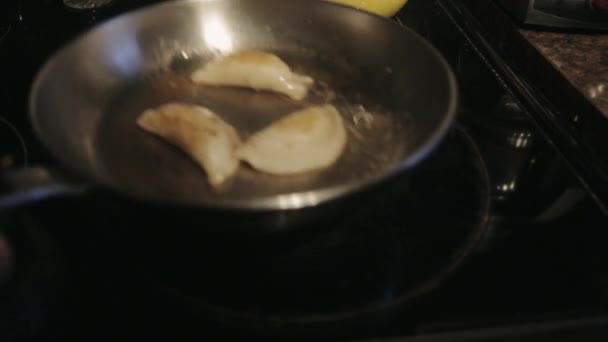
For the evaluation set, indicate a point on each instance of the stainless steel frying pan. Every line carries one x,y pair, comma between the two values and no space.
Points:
396,92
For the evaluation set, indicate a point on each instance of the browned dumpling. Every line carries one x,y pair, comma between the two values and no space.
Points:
200,133
305,140
256,70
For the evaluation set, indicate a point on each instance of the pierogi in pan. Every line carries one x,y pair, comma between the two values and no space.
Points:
309,139
304,140
256,70
199,133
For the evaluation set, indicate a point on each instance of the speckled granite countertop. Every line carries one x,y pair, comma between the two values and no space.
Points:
560,77
581,58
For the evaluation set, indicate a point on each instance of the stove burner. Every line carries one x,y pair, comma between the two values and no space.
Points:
383,258
4,30
7,261
13,151
34,285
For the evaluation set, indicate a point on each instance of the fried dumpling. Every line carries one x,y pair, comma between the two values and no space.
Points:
198,132
256,70
305,140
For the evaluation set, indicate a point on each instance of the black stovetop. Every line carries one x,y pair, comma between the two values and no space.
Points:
492,235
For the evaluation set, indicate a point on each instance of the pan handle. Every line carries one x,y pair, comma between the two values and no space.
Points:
32,184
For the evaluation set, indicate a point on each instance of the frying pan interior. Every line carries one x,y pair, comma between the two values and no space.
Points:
396,94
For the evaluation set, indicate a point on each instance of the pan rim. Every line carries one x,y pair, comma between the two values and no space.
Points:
284,202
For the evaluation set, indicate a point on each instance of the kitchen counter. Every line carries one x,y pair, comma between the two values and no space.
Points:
560,79
581,58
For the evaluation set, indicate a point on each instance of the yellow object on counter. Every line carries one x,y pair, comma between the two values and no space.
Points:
384,8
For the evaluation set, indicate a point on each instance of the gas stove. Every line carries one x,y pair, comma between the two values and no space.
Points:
492,237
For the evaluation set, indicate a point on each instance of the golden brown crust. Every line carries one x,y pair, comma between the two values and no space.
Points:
199,133
301,121
179,129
